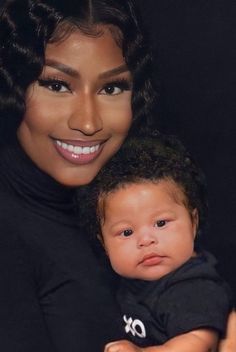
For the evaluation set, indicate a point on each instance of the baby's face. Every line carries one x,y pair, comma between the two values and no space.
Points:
148,231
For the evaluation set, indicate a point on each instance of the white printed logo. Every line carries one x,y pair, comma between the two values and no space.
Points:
136,327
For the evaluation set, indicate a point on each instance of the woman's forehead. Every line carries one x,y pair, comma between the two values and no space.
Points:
65,28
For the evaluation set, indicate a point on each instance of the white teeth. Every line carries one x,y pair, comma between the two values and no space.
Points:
70,148
86,150
78,150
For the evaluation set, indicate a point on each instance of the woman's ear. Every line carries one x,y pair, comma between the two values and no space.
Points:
195,221
100,238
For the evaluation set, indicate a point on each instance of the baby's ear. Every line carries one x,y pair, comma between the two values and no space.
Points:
195,221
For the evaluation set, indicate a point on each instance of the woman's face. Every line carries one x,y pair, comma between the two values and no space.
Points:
78,112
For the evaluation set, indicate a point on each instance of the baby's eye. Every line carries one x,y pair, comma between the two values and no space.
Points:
54,85
127,233
115,88
160,223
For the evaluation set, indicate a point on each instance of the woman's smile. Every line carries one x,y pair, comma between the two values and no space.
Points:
78,112
79,152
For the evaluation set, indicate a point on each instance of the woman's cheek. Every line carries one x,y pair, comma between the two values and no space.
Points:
118,113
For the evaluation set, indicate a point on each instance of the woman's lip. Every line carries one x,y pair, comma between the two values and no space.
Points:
151,259
79,153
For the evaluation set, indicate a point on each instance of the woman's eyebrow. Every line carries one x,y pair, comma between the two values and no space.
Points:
114,71
75,74
63,68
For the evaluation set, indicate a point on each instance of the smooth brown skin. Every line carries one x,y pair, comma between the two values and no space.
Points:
79,110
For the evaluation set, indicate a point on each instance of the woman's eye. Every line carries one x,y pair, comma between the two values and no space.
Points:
55,85
160,223
115,88
111,90
127,233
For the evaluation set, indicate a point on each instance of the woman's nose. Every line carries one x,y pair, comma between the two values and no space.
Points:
146,239
86,116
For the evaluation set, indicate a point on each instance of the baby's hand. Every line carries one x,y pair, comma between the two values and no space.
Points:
122,346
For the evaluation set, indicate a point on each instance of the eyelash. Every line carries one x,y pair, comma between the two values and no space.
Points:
46,82
125,233
123,84
157,223
128,232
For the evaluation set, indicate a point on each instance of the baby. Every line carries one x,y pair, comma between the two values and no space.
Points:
150,209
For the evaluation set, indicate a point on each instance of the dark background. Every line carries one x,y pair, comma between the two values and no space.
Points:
195,64
195,61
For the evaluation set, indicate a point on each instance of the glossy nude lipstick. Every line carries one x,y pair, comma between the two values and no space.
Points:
78,152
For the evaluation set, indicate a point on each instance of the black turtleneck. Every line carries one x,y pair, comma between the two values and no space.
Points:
53,293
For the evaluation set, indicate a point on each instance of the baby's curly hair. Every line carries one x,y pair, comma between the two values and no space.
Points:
151,159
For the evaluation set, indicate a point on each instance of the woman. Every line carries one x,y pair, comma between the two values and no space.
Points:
68,71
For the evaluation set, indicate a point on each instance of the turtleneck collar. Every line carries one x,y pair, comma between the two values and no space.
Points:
35,189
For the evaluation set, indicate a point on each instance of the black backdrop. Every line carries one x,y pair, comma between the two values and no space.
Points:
195,62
